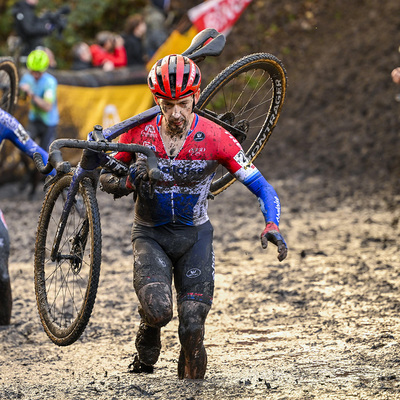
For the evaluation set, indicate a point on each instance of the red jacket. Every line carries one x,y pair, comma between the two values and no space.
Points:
100,56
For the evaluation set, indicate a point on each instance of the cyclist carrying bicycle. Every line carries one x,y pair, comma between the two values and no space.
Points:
172,235
12,130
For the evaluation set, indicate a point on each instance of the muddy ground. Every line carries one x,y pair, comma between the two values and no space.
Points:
324,324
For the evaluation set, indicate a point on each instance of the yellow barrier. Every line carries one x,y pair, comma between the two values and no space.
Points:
83,107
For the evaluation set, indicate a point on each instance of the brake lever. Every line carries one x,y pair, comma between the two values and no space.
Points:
151,189
154,176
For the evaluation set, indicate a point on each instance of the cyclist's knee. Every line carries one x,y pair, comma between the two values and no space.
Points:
156,304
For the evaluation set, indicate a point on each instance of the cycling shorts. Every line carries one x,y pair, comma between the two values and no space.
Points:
177,252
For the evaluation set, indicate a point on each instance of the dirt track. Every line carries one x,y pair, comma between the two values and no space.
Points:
323,324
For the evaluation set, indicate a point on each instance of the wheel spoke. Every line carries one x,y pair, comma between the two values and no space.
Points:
246,94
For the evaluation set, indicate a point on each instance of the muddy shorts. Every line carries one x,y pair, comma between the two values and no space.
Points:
175,252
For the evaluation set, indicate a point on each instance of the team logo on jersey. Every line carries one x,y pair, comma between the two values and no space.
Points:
193,273
199,136
149,131
198,151
241,159
182,168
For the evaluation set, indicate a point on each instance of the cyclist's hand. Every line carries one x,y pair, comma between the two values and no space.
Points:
114,185
137,173
271,234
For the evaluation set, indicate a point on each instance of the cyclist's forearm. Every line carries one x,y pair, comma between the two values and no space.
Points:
267,197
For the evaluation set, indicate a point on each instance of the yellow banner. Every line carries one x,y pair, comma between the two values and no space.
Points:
83,107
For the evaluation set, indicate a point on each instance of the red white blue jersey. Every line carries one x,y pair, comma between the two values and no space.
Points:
181,193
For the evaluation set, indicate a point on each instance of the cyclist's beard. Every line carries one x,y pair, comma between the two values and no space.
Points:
177,130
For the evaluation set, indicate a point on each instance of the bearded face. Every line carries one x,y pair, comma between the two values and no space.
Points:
177,114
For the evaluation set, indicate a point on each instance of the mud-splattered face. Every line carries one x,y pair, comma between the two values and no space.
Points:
178,115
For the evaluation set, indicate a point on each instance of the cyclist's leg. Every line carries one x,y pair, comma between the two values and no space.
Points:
152,283
194,282
193,357
5,282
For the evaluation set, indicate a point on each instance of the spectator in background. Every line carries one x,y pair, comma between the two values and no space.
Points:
41,88
134,32
108,52
82,57
157,33
29,27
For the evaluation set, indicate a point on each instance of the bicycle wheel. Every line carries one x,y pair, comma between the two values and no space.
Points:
8,84
66,286
247,96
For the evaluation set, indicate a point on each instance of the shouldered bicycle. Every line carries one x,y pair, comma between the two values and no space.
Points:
246,99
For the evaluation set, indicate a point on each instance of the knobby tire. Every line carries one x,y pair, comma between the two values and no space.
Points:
66,287
247,94
8,84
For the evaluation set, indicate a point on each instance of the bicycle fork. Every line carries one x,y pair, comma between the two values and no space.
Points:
79,174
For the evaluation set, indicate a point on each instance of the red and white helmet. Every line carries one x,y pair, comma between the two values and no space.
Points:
174,77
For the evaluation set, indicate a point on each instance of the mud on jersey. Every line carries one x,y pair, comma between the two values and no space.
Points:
181,193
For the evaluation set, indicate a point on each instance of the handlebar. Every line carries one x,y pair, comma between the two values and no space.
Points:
56,161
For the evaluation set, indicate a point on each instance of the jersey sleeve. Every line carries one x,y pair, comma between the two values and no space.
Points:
124,156
12,130
234,159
